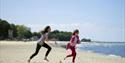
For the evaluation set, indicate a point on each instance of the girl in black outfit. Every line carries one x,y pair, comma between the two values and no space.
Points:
41,43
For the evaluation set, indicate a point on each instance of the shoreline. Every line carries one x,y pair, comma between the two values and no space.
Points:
19,52
63,45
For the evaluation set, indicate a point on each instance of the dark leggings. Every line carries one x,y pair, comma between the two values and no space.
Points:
38,48
73,52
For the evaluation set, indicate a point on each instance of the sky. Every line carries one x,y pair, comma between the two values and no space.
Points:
99,20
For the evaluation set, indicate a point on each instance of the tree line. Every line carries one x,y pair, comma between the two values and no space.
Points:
19,32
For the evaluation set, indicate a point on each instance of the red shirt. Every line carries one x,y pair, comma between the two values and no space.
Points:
74,40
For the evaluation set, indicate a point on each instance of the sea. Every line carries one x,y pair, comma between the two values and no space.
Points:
105,48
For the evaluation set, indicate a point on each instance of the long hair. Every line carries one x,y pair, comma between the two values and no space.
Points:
75,31
45,30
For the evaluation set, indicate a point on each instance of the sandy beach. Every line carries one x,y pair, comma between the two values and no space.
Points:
19,52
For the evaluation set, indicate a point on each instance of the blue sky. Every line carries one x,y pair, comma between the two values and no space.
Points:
101,20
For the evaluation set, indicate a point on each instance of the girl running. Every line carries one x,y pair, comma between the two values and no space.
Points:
72,44
41,43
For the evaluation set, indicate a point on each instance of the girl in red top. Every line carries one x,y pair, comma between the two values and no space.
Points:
72,44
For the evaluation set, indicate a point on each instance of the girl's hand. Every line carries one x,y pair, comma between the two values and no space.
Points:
79,42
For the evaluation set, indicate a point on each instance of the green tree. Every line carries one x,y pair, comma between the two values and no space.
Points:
38,34
23,31
13,27
60,35
4,27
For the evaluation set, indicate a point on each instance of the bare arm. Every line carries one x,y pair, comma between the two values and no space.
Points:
47,38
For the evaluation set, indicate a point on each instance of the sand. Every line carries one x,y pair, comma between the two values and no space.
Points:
19,52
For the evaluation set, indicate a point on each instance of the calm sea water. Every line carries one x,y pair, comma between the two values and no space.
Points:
106,48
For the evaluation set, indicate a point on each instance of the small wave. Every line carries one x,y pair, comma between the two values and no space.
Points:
89,51
111,55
